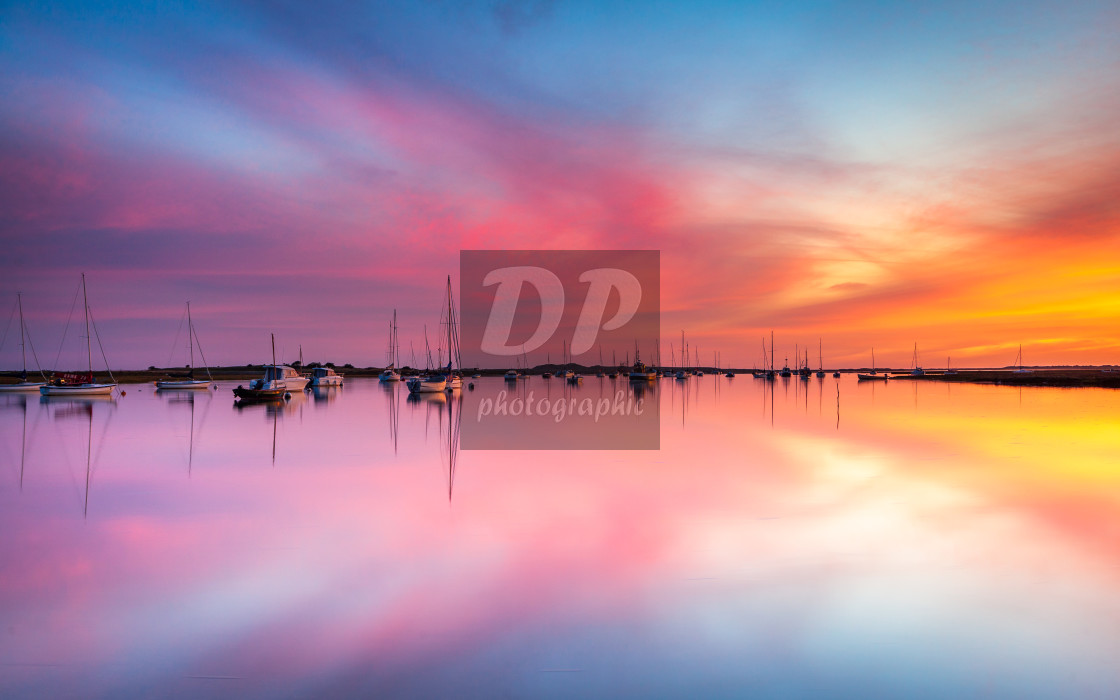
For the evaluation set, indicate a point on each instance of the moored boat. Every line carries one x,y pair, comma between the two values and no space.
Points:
873,375
639,372
427,384
390,373
79,383
278,382
23,384
186,381
324,376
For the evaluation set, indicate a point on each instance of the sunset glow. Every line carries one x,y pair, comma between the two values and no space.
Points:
872,176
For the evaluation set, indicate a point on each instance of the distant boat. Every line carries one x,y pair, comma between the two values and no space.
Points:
916,371
77,383
324,377
429,382
511,375
390,374
566,372
187,380
548,362
948,366
23,384
600,372
274,385
639,372
1019,362
873,375
820,358
476,375
454,377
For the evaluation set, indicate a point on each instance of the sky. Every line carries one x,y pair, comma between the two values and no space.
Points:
862,175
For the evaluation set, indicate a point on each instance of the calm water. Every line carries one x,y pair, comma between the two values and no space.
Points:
921,540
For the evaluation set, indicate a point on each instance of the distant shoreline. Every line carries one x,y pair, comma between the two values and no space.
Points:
1069,377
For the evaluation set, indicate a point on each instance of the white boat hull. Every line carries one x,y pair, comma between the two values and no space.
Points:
78,390
426,386
184,384
22,386
327,381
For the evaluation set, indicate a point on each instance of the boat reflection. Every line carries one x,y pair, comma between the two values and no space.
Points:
74,406
189,399
325,394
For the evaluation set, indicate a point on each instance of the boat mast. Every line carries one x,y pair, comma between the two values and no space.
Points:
449,351
89,352
273,349
22,342
190,336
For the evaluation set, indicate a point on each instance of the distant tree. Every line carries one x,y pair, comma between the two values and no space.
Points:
151,368
330,364
347,366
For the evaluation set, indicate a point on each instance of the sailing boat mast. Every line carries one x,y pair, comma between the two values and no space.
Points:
449,322
273,335
22,342
190,337
89,351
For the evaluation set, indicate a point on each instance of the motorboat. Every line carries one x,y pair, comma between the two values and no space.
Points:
324,376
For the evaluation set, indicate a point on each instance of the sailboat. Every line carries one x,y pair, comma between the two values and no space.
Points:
916,371
614,363
949,366
23,384
567,372
682,373
1019,362
77,383
187,380
600,372
820,358
390,374
873,375
429,382
548,362
454,378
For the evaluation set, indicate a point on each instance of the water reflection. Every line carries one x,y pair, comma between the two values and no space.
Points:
897,548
